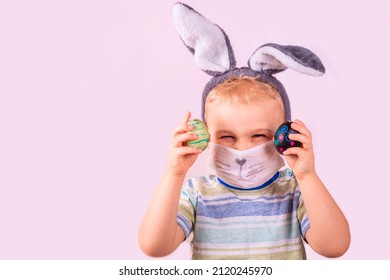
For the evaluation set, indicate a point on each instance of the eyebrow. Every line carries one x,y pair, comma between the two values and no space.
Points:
254,131
224,132
266,130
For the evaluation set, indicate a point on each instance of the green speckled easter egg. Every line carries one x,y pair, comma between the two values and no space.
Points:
203,135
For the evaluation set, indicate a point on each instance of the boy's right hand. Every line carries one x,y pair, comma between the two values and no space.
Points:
182,157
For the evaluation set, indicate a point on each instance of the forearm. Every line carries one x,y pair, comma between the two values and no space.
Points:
158,229
329,233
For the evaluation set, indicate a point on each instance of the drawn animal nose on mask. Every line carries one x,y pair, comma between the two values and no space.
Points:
241,162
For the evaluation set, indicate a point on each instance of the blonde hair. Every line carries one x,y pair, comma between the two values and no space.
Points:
243,90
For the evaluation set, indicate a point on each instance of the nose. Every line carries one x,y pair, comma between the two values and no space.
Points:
243,145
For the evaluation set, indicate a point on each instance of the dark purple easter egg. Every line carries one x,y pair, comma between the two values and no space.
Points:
282,141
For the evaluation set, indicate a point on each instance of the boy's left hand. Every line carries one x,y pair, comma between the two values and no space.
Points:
301,159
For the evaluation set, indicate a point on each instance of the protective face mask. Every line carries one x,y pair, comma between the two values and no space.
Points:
250,169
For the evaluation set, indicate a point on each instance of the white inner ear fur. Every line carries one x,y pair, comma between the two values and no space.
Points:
200,34
270,58
261,61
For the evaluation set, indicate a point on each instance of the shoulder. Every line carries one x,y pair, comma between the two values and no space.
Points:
286,174
199,181
287,180
207,185
195,184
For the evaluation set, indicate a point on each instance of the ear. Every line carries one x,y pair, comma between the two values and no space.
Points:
274,58
205,40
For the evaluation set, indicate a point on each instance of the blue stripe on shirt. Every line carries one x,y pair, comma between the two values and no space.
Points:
247,208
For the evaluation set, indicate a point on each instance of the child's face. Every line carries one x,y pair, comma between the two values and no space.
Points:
243,126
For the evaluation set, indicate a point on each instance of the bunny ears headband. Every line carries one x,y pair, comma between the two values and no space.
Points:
213,53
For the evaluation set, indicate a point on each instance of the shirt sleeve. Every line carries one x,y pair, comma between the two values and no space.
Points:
187,206
303,218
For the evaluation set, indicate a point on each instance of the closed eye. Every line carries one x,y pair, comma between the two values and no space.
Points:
258,135
227,137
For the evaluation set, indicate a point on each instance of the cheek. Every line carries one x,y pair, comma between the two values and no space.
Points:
213,139
261,140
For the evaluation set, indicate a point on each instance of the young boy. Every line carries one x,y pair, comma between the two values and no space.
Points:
249,208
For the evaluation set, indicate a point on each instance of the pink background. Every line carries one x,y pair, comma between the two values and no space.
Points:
90,91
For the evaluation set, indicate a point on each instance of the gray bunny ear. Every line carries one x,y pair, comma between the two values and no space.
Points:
274,58
205,40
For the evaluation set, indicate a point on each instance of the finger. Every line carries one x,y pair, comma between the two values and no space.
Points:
298,152
187,118
181,139
183,151
181,128
305,140
301,128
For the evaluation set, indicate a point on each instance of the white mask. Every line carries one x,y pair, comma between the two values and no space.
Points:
250,169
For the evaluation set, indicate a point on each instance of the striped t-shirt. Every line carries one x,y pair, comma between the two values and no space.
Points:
230,224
